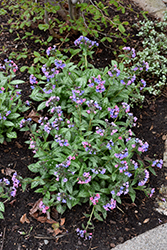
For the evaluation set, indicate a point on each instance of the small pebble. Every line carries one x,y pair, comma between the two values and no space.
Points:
46,242
112,245
121,239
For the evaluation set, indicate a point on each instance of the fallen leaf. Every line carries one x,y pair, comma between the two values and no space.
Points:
57,231
151,127
55,225
54,213
146,221
9,171
12,202
34,116
41,219
18,145
164,137
50,221
24,219
34,212
62,221
35,208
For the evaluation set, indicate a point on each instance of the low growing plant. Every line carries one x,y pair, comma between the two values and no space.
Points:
154,51
7,190
83,140
10,101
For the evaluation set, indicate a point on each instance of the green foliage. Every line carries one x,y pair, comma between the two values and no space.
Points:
154,52
10,102
84,146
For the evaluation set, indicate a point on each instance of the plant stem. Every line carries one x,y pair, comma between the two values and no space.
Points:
90,218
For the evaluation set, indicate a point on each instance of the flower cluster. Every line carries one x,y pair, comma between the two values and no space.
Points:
98,83
76,99
9,64
62,142
110,206
88,147
132,51
42,207
51,50
143,84
83,234
33,79
93,106
123,189
157,163
114,112
110,144
49,73
84,41
62,197
59,169
52,100
114,71
143,147
15,184
100,131
86,178
95,199
143,182
98,170
122,155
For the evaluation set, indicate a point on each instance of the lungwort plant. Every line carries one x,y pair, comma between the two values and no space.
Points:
83,141
10,101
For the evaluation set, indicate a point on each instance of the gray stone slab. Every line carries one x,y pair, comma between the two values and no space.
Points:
154,7
155,239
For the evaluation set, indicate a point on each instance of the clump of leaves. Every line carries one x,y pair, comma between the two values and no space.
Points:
10,101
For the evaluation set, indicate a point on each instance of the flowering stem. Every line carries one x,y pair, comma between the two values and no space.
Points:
86,62
88,223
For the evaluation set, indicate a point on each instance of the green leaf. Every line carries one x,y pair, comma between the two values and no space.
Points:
9,124
152,171
53,188
69,203
83,193
12,135
132,195
69,187
14,82
36,54
97,216
2,207
1,216
13,116
103,176
23,68
95,185
42,105
68,136
34,167
60,209
43,26
121,28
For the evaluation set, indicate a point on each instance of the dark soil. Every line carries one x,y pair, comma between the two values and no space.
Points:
123,223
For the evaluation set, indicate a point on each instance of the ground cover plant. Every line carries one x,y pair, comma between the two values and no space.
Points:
105,110
84,146
154,51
